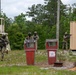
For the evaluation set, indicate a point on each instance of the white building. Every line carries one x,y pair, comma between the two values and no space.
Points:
2,25
2,31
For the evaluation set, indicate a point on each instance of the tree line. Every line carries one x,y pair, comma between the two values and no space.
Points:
43,20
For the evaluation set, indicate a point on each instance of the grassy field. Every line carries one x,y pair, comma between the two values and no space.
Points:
15,64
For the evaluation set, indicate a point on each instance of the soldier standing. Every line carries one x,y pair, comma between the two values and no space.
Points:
28,39
65,40
36,37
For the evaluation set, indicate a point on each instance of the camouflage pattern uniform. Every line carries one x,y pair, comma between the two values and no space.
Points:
3,43
36,37
65,40
28,40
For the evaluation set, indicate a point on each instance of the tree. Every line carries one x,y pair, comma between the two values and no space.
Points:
45,14
20,20
16,37
37,13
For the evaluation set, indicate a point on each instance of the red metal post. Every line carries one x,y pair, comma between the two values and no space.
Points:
51,47
30,54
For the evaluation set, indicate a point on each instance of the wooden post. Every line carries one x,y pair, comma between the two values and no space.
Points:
58,16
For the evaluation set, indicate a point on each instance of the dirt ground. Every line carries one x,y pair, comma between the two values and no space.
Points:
69,65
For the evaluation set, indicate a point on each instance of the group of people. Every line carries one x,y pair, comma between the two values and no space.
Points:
3,44
30,39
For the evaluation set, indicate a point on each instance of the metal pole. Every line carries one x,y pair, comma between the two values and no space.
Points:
0,7
58,16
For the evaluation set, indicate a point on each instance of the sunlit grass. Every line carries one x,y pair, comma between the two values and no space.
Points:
32,70
15,64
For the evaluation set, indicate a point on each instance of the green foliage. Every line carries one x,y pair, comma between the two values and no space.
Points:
43,21
16,37
45,14
18,41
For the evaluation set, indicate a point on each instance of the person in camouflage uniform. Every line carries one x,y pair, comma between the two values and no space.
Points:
36,37
3,43
28,40
31,40
65,40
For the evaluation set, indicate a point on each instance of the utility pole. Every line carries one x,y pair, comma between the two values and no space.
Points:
58,17
0,7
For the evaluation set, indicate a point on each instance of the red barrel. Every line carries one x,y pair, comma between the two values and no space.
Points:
51,47
30,53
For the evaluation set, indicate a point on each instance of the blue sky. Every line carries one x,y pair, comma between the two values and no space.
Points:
15,7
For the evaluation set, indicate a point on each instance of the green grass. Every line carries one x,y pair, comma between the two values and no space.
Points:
15,64
32,70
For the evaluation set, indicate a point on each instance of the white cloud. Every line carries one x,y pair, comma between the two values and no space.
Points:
15,7
68,1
